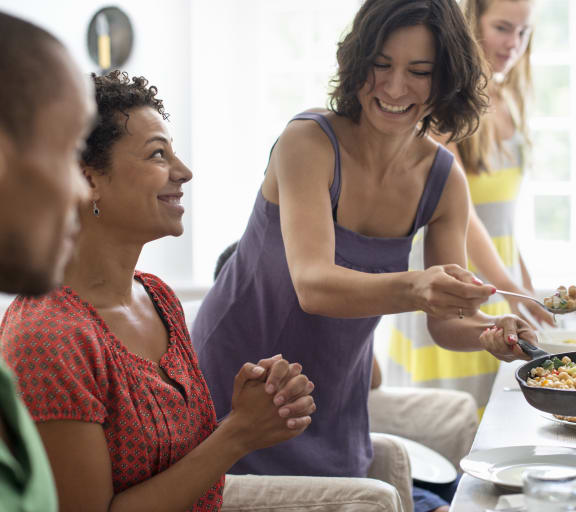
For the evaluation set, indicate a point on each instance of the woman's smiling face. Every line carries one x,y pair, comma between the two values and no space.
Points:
394,98
142,190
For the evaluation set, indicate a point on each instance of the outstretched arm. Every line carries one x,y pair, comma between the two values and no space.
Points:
486,259
302,164
445,242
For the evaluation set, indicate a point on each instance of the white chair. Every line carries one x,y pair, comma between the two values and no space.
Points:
443,420
249,493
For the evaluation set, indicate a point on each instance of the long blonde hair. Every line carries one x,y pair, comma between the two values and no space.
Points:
475,150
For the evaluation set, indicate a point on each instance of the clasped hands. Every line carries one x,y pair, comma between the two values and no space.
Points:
289,389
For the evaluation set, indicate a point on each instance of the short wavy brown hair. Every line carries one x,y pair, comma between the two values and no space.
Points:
457,98
116,94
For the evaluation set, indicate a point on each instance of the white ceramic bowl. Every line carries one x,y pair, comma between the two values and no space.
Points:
557,340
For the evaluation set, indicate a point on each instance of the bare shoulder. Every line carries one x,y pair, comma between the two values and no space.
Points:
304,134
450,146
303,145
432,145
424,151
428,146
455,194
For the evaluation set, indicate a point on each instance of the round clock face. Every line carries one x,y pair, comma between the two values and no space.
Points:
110,38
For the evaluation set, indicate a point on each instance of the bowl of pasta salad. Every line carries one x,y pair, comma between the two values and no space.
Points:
549,383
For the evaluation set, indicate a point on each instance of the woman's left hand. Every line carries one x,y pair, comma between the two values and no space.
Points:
501,339
291,390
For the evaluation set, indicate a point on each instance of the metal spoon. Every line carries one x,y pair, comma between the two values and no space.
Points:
555,311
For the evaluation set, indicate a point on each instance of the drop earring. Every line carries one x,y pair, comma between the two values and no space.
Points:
95,209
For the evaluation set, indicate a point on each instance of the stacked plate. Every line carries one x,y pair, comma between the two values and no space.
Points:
426,464
504,466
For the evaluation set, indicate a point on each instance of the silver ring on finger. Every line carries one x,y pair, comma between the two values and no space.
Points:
460,313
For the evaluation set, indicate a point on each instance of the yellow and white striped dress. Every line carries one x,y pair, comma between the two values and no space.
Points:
414,359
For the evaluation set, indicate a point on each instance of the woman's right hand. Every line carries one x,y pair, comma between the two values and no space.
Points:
254,415
448,291
290,389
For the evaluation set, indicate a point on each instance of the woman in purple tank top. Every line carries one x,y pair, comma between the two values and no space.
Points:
326,248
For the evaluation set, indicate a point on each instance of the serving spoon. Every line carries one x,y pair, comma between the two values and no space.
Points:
531,350
554,311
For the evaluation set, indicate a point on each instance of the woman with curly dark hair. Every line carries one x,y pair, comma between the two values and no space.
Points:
105,363
325,252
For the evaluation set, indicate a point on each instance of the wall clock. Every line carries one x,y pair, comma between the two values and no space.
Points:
110,38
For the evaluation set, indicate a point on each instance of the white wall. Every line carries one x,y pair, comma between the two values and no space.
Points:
256,63
161,53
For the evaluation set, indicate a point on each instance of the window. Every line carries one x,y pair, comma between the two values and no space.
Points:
547,213
254,66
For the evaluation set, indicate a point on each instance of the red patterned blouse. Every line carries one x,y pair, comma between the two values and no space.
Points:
71,367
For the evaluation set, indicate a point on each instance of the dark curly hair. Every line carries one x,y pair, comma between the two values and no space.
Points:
457,97
116,94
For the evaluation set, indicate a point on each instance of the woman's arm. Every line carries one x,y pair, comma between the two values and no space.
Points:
486,259
81,464
479,245
445,241
484,255
526,279
303,163
376,379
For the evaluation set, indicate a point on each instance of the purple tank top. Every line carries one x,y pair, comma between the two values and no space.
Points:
252,312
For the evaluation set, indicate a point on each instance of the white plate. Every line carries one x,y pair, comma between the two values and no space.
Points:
551,417
556,341
504,466
427,465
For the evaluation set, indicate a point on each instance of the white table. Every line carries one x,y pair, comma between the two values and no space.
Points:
508,421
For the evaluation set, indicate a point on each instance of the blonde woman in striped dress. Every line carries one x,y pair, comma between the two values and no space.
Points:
494,162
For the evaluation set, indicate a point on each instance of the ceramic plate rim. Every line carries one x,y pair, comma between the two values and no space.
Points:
514,452
416,451
551,417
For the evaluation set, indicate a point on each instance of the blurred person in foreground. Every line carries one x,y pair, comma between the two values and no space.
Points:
46,110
